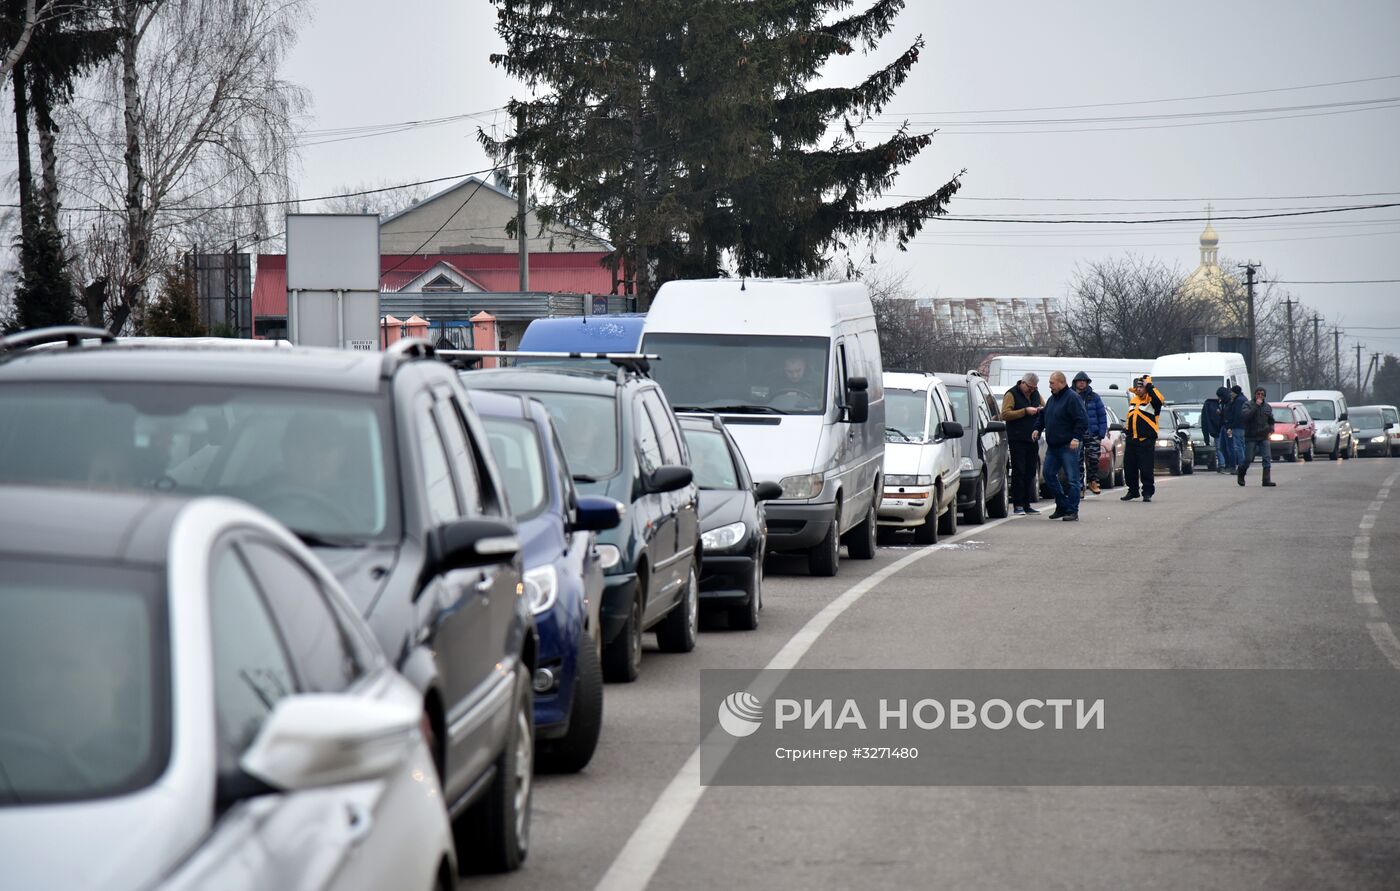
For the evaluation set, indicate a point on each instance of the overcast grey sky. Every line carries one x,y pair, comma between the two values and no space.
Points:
368,62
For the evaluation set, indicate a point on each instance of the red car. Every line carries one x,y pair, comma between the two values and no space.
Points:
1293,432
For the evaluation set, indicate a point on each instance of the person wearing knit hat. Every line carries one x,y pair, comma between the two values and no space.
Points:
1098,429
1233,423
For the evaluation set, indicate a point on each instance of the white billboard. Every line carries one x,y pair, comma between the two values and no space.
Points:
333,280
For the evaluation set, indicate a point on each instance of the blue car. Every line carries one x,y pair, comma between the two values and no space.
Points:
563,577
613,333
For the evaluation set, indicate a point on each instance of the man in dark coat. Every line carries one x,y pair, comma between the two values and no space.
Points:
1064,425
1098,429
1019,408
1258,417
1210,427
1232,424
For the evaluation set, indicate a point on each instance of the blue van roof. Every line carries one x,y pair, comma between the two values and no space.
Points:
613,333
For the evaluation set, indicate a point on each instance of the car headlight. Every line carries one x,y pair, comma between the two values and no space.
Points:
807,485
1277,437
902,479
1165,444
723,538
1378,439
609,555
965,463
542,588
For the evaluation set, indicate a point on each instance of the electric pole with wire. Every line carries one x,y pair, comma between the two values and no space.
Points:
1249,362
1360,387
1292,355
1317,354
1337,357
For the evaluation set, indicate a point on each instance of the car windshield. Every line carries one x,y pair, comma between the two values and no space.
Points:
515,444
1283,414
315,460
84,680
906,415
741,372
958,397
1366,419
710,460
1188,417
587,426
1320,409
1166,421
1116,402
1391,415
1187,389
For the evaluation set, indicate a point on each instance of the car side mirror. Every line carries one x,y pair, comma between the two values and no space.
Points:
1183,435
470,543
324,739
951,429
594,513
1116,427
669,478
767,491
996,426
857,400
1342,416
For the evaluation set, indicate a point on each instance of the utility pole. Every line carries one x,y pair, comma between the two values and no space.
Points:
1317,355
1249,269
1337,357
1292,363
1360,387
522,201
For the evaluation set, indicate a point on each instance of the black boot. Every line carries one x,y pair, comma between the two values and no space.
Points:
1267,475
1239,477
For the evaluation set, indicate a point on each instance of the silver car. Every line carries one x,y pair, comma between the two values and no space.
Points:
189,701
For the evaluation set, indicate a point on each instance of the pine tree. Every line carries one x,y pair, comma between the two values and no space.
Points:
1387,386
175,312
686,131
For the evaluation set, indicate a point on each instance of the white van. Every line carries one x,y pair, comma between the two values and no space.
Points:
1329,412
1192,378
1004,372
923,457
794,369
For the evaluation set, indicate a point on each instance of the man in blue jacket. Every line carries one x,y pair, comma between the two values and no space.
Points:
1064,424
1232,425
1098,429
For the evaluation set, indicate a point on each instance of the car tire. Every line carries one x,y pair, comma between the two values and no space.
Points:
1120,477
622,659
745,618
1349,452
860,541
948,523
1175,468
1213,463
1189,467
679,631
1336,449
824,557
1308,455
976,513
494,834
575,749
926,533
1292,456
999,506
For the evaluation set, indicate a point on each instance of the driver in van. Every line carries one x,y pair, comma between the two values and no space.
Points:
794,384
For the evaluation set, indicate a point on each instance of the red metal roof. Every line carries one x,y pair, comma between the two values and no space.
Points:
559,272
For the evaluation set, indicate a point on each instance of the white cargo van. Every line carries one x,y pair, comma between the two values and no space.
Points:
794,369
1004,372
1192,378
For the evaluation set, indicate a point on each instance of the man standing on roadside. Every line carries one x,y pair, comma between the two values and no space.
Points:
1210,427
1258,424
1064,425
1019,408
1139,454
1233,422
1098,429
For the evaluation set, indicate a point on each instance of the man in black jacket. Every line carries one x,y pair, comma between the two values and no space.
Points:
1258,417
1019,408
1064,424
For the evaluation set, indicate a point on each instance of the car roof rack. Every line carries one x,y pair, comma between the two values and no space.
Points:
636,363
401,352
72,335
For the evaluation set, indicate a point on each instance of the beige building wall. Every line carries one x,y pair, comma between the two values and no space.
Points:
478,226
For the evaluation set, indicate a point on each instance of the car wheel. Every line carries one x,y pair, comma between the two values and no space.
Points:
1349,452
494,835
926,533
1120,477
1292,456
573,752
745,618
860,541
1308,455
1189,466
1213,462
999,506
824,557
948,523
622,659
1175,468
680,629
976,513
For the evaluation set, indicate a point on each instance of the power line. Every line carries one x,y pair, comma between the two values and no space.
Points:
1166,116
1339,281
449,219
1164,200
1263,216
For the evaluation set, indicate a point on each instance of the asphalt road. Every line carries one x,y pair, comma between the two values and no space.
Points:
1306,575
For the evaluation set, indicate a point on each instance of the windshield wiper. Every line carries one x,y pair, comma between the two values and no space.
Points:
585,478
743,409
905,436
319,540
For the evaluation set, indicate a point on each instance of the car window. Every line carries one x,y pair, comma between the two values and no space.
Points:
588,429
672,450
940,411
711,461
251,668
515,445
462,455
326,658
437,475
648,445
962,412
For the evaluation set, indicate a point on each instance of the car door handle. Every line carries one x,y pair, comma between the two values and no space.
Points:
359,822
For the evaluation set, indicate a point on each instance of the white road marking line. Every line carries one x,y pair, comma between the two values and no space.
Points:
1368,521
1386,641
641,856
1361,549
1373,611
1361,586
1383,494
1375,506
